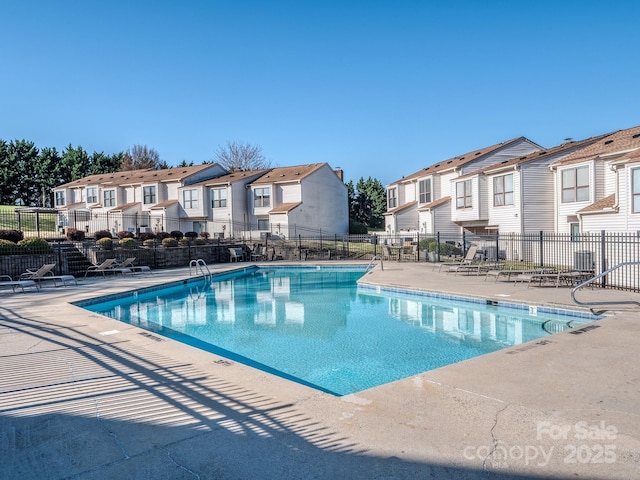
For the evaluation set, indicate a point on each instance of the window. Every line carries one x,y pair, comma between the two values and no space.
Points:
218,198
263,224
92,195
59,199
109,198
575,184
503,190
190,198
148,195
635,190
424,187
463,194
262,197
392,198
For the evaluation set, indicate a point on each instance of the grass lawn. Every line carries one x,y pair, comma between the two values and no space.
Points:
27,221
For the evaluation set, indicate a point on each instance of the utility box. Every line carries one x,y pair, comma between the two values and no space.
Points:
583,260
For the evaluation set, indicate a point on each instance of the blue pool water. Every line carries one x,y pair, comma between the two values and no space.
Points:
318,327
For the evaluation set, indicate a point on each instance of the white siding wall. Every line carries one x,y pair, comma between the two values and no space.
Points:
324,202
410,192
538,198
506,217
623,220
467,214
444,185
290,193
407,220
129,195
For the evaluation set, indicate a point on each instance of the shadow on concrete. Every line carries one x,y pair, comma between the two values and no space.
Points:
77,406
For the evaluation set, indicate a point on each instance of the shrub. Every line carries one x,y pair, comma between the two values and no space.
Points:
13,236
102,234
128,243
147,236
184,242
7,247
169,242
162,235
356,228
125,234
200,241
177,234
34,245
75,235
205,235
149,243
191,235
105,243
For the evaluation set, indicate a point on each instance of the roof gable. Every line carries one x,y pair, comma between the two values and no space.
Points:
289,174
460,160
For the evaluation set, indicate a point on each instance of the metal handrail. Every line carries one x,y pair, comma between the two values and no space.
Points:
593,279
375,257
201,265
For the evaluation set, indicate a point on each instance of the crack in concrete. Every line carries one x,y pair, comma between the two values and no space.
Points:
182,466
494,439
112,434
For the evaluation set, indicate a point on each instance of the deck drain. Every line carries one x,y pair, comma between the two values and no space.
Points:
152,337
583,329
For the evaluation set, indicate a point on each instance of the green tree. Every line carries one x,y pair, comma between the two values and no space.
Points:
101,163
22,159
45,175
75,164
367,202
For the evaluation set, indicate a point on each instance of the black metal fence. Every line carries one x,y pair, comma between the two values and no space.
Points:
592,252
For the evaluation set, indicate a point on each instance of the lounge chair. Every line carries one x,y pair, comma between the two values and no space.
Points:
128,263
108,266
45,272
38,274
467,260
257,254
237,255
7,281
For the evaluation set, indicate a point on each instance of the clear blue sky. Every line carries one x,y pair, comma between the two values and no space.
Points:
379,88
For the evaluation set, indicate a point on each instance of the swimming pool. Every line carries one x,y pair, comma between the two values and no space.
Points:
316,326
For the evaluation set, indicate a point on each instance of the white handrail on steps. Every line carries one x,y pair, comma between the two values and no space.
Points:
200,265
375,257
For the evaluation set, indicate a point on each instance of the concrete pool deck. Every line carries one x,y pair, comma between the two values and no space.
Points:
83,396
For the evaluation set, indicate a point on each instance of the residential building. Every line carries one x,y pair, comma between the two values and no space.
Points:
598,188
129,200
284,201
512,196
224,210
423,202
299,200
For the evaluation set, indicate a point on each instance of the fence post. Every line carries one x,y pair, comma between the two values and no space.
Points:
541,249
464,244
418,246
438,245
497,246
603,260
